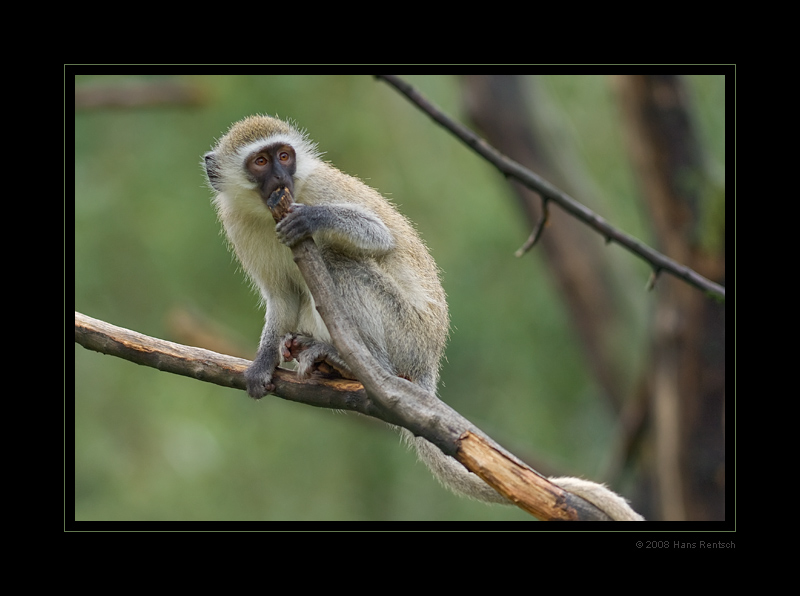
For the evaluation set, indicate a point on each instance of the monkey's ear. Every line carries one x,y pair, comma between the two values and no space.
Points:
212,170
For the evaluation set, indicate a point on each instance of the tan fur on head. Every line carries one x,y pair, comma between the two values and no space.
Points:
252,129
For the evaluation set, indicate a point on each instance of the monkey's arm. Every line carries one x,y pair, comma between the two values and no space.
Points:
349,227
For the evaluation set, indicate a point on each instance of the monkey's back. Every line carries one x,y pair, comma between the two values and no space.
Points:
403,284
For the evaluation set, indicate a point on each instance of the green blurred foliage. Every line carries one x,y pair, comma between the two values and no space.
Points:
155,446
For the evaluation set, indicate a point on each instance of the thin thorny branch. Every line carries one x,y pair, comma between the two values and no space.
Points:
513,169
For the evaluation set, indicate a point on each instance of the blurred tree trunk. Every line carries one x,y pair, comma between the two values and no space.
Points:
683,390
687,377
574,255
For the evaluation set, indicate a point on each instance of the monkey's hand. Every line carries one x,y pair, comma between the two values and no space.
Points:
258,376
348,227
298,224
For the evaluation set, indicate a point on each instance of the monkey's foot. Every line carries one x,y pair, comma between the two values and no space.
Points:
313,356
258,380
290,347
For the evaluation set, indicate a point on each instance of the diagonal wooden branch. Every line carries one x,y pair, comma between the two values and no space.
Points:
509,167
383,396
435,421
398,401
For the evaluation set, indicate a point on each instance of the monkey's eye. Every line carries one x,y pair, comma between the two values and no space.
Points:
284,156
260,161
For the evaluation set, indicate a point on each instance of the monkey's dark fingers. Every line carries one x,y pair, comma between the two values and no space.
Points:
258,379
290,347
295,226
258,388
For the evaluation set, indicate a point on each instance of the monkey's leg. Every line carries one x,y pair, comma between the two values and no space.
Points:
258,375
313,355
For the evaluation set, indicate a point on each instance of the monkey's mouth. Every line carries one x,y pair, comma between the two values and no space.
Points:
272,190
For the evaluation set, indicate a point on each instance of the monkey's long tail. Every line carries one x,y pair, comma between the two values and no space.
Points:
451,473
458,479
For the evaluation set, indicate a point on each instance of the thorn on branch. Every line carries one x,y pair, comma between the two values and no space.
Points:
537,231
651,282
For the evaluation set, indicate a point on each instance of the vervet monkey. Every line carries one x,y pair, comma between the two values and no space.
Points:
379,265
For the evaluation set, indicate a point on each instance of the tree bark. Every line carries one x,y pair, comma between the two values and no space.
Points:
687,376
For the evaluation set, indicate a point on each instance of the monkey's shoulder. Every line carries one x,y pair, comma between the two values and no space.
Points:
326,182
330,185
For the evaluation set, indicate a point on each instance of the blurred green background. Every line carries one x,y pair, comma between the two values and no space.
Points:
148,251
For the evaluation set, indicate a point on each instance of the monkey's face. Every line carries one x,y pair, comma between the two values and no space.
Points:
254,158
272,167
